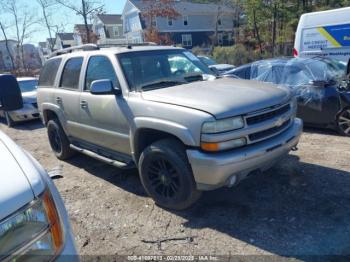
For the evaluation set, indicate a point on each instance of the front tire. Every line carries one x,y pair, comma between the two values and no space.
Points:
9,121
343,122
58,140
167,176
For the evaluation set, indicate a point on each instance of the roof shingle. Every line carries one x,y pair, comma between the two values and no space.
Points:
110,19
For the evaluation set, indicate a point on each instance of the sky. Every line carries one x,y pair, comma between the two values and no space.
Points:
60,16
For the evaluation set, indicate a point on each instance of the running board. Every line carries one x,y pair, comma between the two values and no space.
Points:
109,161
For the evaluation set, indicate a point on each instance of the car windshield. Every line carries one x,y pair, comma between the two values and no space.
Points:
28,85
147,70
208,61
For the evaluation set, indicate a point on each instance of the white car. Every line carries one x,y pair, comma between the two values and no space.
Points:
29,111
217,68
33,219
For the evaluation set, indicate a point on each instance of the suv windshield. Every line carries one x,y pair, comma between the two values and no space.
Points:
147,70
28,85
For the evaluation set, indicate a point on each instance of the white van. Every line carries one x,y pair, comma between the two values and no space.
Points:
325,33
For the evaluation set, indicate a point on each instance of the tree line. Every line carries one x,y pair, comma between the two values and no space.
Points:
20,21
269,26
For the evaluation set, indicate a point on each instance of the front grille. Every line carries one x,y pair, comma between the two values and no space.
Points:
35,105
267,116
269,132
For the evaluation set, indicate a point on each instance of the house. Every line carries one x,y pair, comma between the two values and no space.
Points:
64,40
46,48
80,34
31,58
43,51
195,24
50,44
108,29
6,64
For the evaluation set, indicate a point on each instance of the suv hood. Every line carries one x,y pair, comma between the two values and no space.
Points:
222,98
20,182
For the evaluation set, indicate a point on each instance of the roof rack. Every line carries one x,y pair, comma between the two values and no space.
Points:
87,47
128,45
92,47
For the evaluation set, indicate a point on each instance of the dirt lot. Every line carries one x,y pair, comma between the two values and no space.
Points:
301,207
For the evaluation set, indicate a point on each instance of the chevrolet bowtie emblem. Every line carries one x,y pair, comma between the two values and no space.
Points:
279,122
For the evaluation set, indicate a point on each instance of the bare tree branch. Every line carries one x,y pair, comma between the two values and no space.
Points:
86,8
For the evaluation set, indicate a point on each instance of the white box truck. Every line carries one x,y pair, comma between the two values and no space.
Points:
325,33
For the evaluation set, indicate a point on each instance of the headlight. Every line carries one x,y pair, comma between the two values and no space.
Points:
221,146
34,231
223,125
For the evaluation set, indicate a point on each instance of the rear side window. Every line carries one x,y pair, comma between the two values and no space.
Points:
100,67
49,71
71,73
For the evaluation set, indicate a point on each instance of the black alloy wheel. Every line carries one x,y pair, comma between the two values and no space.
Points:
343,122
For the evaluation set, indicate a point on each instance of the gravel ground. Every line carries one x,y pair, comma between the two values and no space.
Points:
300,207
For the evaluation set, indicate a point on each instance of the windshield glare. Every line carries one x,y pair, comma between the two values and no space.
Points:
28,85
147,68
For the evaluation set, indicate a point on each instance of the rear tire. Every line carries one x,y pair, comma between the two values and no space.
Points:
343,122
167,176
58,140
9,121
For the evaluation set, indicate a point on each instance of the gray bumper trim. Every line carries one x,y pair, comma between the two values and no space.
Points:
213,170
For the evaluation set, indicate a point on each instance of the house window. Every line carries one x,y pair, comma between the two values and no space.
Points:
116,31
185,20
154,22
170,21
187,40
220,38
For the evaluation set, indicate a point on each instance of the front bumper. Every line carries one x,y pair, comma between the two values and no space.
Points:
212,171
28,112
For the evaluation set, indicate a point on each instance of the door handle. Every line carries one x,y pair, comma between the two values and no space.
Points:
59,100
83,104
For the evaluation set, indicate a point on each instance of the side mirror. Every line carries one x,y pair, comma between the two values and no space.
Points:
104,87
10,93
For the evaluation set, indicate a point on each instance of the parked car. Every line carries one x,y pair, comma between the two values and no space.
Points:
136,107
30,106
319,83
212,64
33,219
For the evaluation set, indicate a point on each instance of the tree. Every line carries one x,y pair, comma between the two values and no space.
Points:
154,9
3,30
85,10
23,19
46,11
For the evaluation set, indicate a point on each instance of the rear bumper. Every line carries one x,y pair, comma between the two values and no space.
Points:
215,170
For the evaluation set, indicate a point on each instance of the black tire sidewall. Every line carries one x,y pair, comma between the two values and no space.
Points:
66,152
187,192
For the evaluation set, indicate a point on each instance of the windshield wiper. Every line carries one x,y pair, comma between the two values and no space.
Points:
193,77
162,84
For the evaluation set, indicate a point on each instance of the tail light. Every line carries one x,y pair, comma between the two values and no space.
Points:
295,52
